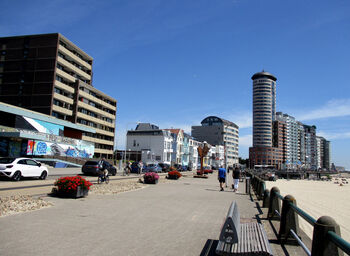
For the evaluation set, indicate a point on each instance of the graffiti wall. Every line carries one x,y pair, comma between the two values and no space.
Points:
79,149
31,124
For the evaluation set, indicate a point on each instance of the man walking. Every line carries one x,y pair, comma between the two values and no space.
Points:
222,177
236,175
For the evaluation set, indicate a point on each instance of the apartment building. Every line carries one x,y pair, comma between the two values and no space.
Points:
292,141
264,153
154,144
218,131
177,145
194,160
310,146
49,74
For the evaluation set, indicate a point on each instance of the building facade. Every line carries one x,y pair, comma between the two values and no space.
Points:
51,75
177,145
292,140
154,144
32,134
264,153
218,131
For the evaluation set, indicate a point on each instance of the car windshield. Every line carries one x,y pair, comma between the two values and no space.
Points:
151,165
91,163
6,160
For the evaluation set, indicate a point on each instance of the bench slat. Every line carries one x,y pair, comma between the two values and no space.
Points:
242,239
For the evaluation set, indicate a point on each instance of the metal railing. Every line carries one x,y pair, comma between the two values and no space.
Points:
332,241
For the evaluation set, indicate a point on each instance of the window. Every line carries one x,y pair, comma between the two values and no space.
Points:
31,162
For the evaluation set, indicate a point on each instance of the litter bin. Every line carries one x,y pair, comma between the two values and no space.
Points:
247,185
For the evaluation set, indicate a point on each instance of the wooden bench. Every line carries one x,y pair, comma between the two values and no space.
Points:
242,238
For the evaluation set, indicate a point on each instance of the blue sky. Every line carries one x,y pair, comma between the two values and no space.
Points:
172,63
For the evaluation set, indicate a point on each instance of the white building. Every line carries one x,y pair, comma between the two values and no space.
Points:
194,160
155,144
177,145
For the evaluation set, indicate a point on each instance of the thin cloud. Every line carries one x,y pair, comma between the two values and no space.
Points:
334,135
242,119
245,141
333,108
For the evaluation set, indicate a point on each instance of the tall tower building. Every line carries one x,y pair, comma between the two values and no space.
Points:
263,151
264,108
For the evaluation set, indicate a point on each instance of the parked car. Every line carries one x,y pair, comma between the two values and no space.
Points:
178,167
206,170
91,167
154,167
16,168
165,167
135,167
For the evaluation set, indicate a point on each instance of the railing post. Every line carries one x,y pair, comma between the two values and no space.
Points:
321,245
274,204
266,199
261,189
289,220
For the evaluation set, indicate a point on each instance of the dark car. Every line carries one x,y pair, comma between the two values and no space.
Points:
165,167
135,167
91,167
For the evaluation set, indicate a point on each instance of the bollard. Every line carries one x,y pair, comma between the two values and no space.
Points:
261,189
321,245
247,185
266,199
274,204
289,220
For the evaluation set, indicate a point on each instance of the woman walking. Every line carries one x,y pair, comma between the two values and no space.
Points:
236,176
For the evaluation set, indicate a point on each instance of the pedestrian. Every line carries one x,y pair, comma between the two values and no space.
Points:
236,176
222,177
140,166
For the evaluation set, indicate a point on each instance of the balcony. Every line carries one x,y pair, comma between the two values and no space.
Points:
73,68
62,110
63,98
74,57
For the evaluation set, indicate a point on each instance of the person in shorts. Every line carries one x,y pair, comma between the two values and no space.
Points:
222,177
236,176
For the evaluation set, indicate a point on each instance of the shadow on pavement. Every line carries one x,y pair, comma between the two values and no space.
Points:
209,248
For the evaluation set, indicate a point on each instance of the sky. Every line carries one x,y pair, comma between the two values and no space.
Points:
174,62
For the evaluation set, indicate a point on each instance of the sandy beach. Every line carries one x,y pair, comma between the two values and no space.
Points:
319,198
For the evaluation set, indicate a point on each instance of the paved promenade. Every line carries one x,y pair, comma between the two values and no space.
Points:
174,218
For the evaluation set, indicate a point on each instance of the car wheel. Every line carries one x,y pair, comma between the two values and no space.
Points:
43,175
114,172
17,176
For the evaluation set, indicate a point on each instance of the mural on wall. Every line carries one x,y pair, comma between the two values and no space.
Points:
28,123
81,149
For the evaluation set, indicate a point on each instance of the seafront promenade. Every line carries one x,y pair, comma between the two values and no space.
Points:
174,217
170,218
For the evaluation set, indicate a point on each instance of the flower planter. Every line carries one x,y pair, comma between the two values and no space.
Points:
173,177
151,181
80,192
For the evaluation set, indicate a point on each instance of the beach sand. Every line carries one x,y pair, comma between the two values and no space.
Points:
319,198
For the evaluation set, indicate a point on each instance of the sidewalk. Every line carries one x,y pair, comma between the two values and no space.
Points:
175,218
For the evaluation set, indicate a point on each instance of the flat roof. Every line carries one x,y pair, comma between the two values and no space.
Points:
36,115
